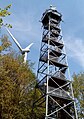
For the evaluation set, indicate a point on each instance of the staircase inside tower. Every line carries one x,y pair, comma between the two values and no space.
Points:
56,98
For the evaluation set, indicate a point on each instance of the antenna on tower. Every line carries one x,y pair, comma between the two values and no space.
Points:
52,7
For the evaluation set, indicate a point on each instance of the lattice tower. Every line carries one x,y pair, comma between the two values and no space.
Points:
56,96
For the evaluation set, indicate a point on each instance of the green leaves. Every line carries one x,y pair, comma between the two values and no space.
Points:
5,43
14,77
1,22
17,83
8,7
3,13
78,85
16,93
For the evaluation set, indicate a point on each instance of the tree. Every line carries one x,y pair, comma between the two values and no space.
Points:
16,84
3,13
78,86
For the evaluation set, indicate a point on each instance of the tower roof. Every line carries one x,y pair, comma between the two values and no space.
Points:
52,13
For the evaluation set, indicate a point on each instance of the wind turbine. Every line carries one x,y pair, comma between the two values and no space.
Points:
23,51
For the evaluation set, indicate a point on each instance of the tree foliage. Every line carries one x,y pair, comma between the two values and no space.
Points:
3,13
78,85
5,44
16,84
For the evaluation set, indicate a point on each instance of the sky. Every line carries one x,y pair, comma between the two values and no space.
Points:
25,18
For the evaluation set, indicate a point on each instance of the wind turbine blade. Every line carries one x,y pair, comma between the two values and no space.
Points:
29,46
14,39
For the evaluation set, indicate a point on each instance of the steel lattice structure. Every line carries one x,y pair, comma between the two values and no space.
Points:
56,90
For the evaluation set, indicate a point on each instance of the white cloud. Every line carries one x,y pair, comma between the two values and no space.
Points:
75,49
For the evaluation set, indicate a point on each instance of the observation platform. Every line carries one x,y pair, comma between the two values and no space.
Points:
52,13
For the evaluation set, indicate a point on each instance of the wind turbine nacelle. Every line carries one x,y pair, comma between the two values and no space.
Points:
24,50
